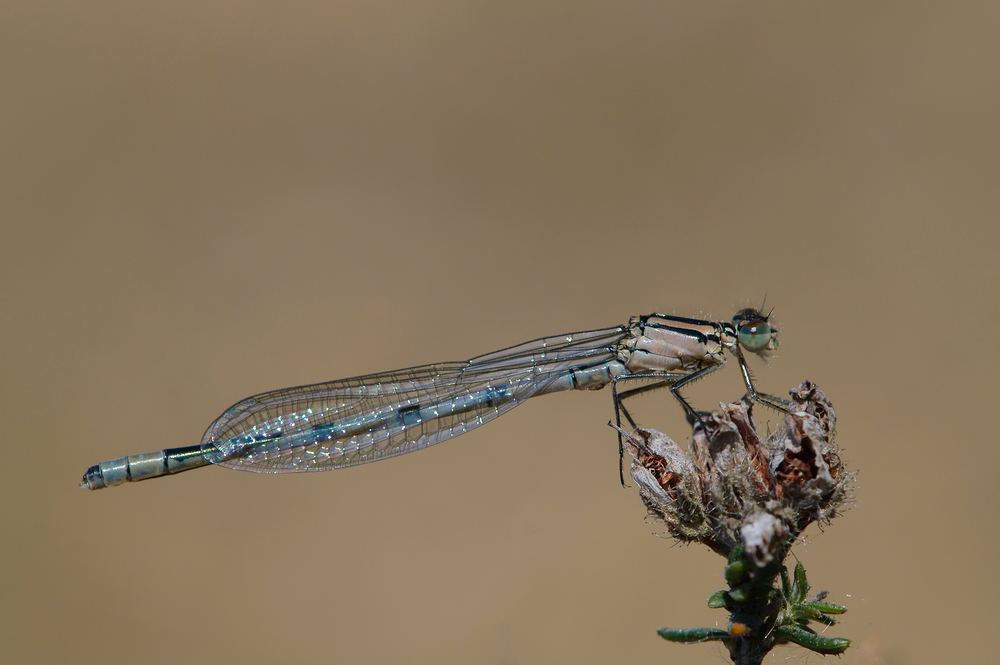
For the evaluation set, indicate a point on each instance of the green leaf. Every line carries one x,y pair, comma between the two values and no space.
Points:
810,640
692,635
717,600
804,610
740,594
786,584
827,608
805,613
801,586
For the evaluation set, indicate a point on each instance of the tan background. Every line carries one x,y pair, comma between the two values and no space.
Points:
204,200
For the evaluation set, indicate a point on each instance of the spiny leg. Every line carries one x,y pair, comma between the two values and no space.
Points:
775,403
631,392
665,380
620,408
692,415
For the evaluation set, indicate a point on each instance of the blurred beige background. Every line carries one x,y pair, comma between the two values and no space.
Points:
204,200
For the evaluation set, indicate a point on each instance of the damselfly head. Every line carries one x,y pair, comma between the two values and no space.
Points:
754,333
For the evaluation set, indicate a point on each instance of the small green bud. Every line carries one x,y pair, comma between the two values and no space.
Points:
718,600
736,571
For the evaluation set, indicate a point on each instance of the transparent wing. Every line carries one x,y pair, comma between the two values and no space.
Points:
368,418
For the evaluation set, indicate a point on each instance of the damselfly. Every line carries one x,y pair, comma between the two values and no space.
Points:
368,418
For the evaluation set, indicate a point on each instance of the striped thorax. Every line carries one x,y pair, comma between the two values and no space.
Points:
673,344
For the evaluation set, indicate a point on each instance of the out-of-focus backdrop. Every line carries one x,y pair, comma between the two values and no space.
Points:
204,200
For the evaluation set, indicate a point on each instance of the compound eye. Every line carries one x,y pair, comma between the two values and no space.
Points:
755,336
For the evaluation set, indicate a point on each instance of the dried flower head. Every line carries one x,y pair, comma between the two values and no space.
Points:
734,487
748,498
